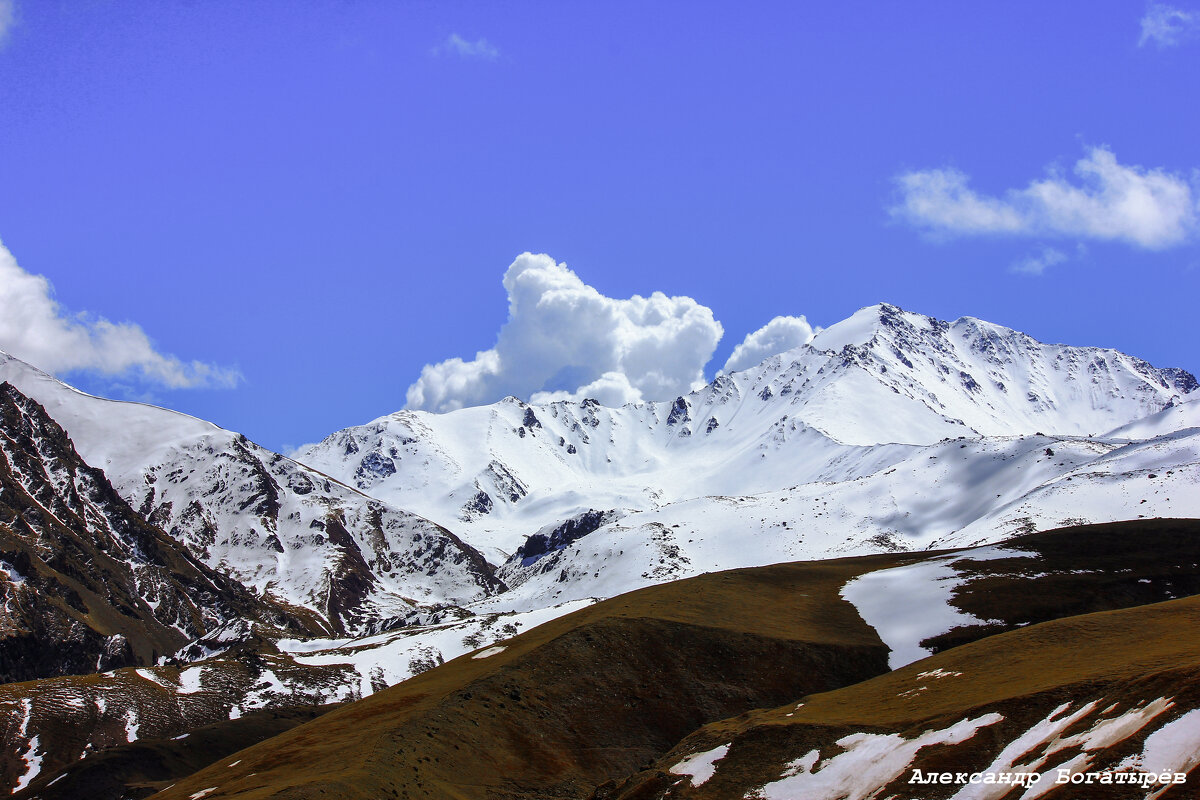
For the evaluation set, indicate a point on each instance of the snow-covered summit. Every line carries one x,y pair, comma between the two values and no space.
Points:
888,375
860,397
890,429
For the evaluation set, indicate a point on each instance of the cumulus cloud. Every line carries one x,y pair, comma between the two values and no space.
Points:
463,48
563,339
36,329
1037,263
1149,208
1166,26
777,336
610,389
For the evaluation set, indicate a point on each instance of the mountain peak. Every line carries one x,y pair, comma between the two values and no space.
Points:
865,324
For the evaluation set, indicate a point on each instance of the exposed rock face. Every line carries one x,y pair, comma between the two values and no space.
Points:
310,542
541,543
679,412
87,584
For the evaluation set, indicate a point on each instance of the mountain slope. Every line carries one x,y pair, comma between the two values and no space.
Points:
50,725
865,395
1019,704
554,711
270,523
954,493
87,584
570,702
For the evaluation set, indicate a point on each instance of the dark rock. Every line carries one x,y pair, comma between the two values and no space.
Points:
481,503
679,412
539,544
372,469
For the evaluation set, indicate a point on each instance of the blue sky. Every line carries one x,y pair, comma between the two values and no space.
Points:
276,215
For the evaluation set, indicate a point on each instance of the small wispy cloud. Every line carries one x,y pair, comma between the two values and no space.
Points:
1167,26
1149,208
456,45
36,329
1037,263
8,18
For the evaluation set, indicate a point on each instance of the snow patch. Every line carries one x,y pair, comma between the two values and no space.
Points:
131,725
701,766
1175,747
1036,746
150,676
1036,737
939,673
387,658
868,761
10,572
1107,732
907,605
33,764
191,680
491,651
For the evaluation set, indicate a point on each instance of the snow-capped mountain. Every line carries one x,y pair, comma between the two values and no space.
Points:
889,430
87,584
276,526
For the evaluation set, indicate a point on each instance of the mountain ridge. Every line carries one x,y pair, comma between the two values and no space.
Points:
381,543
273,524
884,390
90,585
416,511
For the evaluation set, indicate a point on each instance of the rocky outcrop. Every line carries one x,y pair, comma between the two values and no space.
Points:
88,584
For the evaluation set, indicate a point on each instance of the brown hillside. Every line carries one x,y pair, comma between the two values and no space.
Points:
1120,660
564,708
578,701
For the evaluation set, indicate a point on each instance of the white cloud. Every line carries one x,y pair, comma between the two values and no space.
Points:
777,336
940,198
1150,208
1036,263
610,389
8,18
458,46
1166,26
36,329
564,339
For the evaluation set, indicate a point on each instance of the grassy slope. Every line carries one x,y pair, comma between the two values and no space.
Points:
1122,657
1079,570
136,770
597,695
580,700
